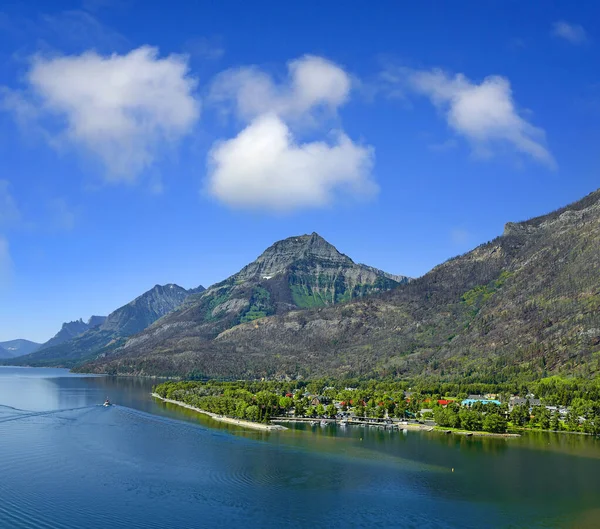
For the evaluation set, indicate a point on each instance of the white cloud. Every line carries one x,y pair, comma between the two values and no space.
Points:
9,211
312,82
574,33
264,167
484,113
123,109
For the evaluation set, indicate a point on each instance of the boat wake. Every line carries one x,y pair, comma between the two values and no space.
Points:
8,413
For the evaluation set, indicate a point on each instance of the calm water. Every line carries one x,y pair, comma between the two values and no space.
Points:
66,462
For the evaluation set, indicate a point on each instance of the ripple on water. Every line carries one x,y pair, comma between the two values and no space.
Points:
118,467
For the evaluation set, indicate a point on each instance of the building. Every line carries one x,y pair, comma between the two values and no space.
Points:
560,409
469,402
520,401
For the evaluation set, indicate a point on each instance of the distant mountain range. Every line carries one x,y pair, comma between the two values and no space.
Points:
78,340
296,273
300,272
526,304
14,348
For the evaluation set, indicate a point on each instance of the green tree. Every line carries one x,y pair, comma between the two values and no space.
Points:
519,416
252,413
471,420
494,423
572,421
401,409
240,409
542,417
592,424
447,417
555,421
285,403
267,403
299,408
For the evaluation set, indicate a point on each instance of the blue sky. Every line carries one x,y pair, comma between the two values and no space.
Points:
146,142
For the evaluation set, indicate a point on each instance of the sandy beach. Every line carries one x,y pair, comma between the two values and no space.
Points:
221,418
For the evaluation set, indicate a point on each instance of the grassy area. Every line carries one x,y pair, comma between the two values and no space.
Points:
477,433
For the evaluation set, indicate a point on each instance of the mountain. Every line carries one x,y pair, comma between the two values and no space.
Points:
72,329
95,321
4,353
14,348
301,272
522,306
109,332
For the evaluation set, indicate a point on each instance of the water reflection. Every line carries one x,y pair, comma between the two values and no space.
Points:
152,470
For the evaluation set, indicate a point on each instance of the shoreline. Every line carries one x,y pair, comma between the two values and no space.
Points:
409,426
222,418
469,433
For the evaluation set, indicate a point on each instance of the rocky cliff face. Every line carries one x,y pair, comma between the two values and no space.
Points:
96,321
525,304
68,331
304,271
144,310
103,334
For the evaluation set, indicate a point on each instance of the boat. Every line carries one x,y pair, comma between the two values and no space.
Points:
106,403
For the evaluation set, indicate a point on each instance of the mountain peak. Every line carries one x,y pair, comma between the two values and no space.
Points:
281,255
145,309
96,321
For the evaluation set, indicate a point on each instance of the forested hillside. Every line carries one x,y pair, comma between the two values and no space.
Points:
526,302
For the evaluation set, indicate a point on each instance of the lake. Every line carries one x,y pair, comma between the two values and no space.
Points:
68,462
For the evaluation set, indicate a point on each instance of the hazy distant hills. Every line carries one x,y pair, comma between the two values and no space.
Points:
14,348
526,304
77,340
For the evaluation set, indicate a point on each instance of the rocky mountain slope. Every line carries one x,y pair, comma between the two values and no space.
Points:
72,329
526,304
19,347
300,272
111,331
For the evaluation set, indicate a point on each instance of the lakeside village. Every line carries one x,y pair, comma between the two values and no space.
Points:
386,405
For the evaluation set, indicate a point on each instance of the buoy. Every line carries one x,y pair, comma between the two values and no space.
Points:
452,470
